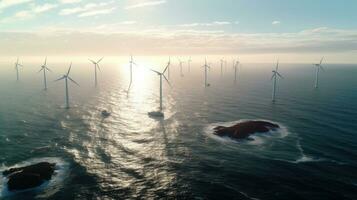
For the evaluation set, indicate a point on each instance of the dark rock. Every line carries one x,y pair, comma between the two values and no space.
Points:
30,176
243,130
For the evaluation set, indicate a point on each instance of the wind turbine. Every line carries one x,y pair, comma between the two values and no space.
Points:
318,67
189,64
275,76
66,78
236,65
206,66
222,62
17,65
96,65
181,62
162,75
44,68
131,71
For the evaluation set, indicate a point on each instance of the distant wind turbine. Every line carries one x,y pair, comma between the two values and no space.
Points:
181,62
206,66
318,67
131,71
189,64
162,75
275,76
66,78
222,63
44,68
17,65
236,65
96,66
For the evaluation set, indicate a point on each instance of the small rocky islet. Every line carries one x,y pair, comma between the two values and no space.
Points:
243,130
30,176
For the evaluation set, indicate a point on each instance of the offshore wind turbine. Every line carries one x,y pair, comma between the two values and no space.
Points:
222,62
206,66
162,75
96,66
189,64
181,62
275,76
131,71
66,78
17,65
318,67
44,68
236,65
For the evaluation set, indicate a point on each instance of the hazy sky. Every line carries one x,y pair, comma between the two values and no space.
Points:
294,29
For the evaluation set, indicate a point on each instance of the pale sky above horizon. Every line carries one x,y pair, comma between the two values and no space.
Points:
293,29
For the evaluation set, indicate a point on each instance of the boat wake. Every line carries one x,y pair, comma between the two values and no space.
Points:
48,188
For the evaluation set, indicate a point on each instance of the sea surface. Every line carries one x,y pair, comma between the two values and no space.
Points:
132,156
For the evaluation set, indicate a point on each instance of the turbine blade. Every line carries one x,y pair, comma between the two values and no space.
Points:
48,69
155,71
272,76
168,82
72,80
63,77
322,59
45,61
92,61
322,68
168,64
40,70
98,67
100,60
69,70
280,75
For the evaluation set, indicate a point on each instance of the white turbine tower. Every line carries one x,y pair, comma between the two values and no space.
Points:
131,62
17,65
318,67
236,65
44,68
222,63
162,75
66,78
189,64
275,76
206,66
181,72
96,66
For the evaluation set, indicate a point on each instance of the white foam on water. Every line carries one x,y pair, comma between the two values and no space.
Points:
61,173
254,139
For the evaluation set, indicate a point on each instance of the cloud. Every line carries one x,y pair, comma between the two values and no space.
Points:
276,23
9,3
29,14
44,8
146,4
215,23
165,40
69,1
89,9
96,12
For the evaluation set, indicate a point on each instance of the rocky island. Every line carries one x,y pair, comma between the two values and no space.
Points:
28,177
243,130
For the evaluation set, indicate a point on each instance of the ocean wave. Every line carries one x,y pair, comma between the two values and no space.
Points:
48,187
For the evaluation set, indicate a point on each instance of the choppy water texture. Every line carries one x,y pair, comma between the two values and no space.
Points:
132,156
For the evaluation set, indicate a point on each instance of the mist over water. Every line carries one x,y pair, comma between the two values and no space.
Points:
132,156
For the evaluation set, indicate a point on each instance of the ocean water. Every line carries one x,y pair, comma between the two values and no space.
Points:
132,156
